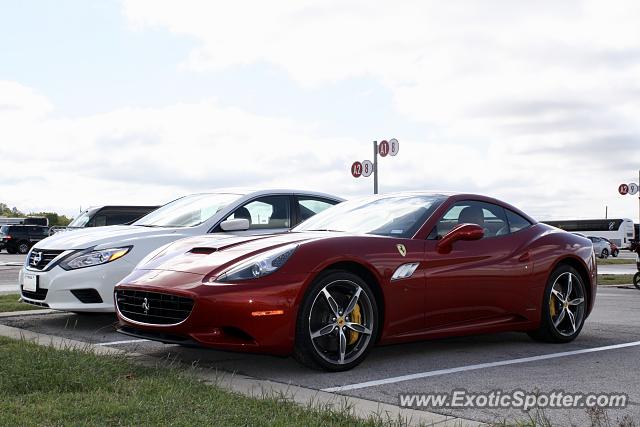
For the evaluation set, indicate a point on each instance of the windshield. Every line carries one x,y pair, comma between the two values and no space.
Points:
397,216
187,211
81,220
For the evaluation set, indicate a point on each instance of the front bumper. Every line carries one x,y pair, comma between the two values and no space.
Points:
55,286
258,317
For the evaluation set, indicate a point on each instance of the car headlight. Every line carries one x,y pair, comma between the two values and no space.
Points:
259,265
94,257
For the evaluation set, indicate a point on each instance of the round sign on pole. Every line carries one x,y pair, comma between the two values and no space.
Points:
633,188
623,189
394,146
367,168
383,148
356,169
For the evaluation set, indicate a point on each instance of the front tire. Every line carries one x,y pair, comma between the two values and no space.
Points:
636,280
337,323
563,307
12,250
604,254
615,253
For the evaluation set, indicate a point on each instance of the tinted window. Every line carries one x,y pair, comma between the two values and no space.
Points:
98,221
121,218
516,222
490,217
4,229
308,207
265,212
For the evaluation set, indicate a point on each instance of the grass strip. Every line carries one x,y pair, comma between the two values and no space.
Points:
9,302
615,279
44,386
615,261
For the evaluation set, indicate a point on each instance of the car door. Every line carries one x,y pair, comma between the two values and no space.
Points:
266,215
478,281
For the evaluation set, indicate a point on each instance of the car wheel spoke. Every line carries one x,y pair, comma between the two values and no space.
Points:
343,346
353,302
560,317
332,302
327,329
576,301
356,327
569,286
558,294
572,319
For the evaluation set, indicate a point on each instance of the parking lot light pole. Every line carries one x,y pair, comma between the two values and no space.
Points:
375,167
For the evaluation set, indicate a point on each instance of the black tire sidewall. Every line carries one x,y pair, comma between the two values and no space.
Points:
20,246
303,340
547,323
604,254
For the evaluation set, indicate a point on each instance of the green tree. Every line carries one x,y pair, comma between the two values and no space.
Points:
54,218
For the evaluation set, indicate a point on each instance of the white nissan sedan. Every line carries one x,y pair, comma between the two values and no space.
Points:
77,271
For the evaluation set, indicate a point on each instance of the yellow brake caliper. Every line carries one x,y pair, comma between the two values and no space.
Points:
355,317
552,305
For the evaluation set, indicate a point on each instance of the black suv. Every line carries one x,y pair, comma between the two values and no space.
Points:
20,238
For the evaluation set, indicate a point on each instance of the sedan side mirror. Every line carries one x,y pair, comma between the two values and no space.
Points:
239,224
461,232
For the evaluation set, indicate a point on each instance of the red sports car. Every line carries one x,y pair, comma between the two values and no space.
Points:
377,270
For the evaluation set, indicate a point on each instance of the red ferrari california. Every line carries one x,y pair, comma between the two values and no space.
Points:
377,270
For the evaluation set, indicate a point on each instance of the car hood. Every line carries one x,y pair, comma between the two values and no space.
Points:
205,254
108,236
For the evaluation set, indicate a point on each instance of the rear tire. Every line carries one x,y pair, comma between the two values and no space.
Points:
615,253
337,323
604,254
636,280
23,247
12,251
564,307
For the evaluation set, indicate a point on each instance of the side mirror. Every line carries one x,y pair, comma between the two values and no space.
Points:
461,232
239,224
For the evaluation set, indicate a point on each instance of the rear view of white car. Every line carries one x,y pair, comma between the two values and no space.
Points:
78,271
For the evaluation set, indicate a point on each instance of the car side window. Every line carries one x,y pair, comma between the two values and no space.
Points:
310,206
516,222
490,217
265,213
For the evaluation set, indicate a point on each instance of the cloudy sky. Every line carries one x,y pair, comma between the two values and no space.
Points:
140,101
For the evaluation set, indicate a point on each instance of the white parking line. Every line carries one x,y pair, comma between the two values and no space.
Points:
121,342
478,366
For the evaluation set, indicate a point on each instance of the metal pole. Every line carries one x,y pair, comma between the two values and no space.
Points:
638,237
606,212
375,167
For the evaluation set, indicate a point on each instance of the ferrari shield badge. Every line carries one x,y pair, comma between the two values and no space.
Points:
401,249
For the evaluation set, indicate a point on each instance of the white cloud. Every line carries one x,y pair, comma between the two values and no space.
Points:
534,102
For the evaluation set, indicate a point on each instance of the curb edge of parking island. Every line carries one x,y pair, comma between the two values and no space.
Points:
253,387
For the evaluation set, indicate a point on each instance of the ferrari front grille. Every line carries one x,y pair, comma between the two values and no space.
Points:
153,308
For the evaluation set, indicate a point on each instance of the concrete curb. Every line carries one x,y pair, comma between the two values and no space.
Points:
253,387
27,313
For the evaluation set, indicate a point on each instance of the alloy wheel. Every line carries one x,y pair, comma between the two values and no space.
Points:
567,304
341,322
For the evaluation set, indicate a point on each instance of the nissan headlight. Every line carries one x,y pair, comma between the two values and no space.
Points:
94,257
258,266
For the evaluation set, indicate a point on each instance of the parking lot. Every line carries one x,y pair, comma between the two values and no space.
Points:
603,359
